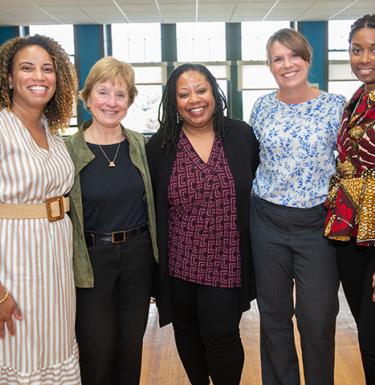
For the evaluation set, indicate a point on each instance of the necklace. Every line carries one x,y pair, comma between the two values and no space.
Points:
111,163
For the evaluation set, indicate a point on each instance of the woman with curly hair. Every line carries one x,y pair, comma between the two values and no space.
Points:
37,296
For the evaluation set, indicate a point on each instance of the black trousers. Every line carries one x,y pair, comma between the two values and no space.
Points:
356,266
206,327
112,316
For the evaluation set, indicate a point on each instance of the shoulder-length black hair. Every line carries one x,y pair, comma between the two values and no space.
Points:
170,124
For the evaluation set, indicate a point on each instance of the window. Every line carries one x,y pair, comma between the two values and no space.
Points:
140,44
137,43
255,78
64,34
340,78
200,42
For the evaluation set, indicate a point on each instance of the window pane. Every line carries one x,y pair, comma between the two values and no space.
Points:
64,34
143,114
248,100
338,33
200,42
137,43
257,76
255,35
340,71
345,88
148,74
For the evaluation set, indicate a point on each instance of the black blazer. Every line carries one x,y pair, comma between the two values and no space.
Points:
242,152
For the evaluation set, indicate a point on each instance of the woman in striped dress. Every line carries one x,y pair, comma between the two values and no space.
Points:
37,297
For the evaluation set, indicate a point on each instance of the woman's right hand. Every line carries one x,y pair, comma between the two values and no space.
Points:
8,310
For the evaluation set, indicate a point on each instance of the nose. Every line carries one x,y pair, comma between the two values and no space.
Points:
38,74
194,97
288,62
365,56
111,99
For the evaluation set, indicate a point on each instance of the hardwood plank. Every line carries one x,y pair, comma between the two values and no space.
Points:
161,364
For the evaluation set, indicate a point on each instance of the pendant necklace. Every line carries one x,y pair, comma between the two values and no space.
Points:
111,163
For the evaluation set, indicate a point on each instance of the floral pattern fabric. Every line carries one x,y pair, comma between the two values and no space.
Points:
297,143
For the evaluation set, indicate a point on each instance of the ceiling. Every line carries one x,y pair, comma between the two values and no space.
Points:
29,12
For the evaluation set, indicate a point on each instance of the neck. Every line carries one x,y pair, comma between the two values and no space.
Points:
370,87
198,132
30,118
99,134
297,95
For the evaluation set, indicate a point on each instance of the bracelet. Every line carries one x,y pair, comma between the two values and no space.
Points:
5,296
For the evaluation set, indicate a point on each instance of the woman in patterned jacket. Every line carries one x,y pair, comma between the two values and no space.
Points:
296,127
351,199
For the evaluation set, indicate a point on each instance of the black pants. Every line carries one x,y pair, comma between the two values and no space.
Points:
356,267
112,316
206,327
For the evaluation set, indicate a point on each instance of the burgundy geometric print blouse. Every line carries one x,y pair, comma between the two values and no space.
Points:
203,236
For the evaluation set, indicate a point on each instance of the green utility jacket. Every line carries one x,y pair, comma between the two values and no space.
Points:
82,156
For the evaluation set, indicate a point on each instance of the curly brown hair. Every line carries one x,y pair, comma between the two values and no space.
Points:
59,109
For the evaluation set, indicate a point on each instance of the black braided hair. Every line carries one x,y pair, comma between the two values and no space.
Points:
367,21
170,125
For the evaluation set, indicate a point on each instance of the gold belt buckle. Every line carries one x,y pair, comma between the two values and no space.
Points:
118,237
50,202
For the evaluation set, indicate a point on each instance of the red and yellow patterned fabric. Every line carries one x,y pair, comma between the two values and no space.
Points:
351,198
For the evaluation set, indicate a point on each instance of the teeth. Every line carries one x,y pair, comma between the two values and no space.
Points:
290,74
365,71
195,110
38,88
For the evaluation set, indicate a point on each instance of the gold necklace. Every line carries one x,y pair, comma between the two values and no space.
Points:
111,163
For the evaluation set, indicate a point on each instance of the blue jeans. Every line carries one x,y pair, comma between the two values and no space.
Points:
289,250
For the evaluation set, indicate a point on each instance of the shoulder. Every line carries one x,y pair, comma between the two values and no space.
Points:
154,142
238,131
236,126
334,99
134,136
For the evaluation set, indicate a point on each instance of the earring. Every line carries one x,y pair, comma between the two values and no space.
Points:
10,86
178,118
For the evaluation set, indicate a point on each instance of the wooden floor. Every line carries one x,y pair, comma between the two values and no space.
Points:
161,364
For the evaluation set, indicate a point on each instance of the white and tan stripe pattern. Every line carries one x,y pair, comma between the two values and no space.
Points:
36,262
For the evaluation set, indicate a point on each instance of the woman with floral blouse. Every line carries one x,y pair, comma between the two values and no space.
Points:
296,127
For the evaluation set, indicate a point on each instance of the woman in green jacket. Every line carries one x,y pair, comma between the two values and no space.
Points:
112,211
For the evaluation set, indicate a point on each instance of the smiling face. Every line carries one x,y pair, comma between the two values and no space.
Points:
195,100
108,103
288,69
33,78
362,56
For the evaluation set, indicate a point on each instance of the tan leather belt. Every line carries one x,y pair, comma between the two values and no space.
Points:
53,209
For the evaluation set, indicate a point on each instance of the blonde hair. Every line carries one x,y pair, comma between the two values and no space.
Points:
109,68
292,39
59,109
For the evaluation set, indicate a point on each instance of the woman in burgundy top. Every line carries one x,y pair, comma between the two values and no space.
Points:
202,166
351,199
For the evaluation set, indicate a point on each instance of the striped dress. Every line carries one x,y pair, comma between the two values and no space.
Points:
36,261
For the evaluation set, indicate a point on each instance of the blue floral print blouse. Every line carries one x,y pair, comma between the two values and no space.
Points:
297,143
